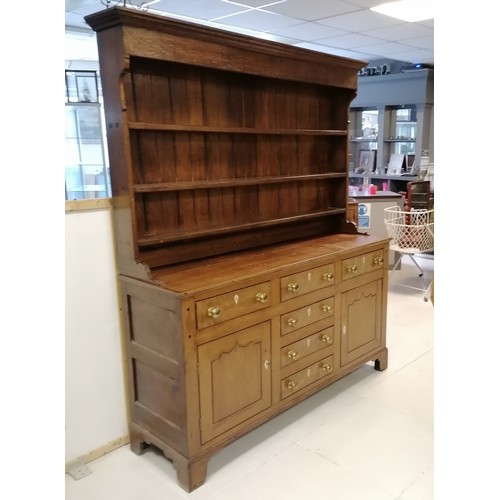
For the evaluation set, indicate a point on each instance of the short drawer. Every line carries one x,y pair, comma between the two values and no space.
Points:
304,347
306,315
307,376
230,305
307,281
355,266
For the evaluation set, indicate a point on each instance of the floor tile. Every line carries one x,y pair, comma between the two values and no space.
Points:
300,474
385,447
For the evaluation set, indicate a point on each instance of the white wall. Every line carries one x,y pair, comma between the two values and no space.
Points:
95,396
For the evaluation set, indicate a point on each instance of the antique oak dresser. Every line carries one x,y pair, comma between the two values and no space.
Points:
244,288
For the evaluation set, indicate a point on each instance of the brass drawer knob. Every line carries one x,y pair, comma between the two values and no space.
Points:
292,385
328,276
326,367
291,322
352,269
214,312
326,308
293,287
378,260
293,354
261,297
326,338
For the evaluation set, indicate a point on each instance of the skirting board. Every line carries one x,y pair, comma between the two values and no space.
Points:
98,452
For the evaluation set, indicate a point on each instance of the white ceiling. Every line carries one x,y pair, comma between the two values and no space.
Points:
341,27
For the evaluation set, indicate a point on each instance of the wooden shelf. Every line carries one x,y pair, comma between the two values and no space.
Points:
188,235
231,130
228,183
399,140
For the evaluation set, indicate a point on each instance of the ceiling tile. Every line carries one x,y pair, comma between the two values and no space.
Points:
417,56
253,3
423,42
365,3
335,51
203,9
76,20
428,22
86,8
258,20
399,31
309,31
72,5
388,48
319,10
352,40
359,21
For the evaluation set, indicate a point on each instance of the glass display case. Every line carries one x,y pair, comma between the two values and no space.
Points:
401,134
363,133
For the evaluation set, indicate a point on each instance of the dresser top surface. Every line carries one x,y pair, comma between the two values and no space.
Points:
227,269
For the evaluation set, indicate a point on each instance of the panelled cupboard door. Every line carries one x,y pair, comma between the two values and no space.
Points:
234,378
361,321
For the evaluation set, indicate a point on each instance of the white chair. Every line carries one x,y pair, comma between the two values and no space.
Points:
411,233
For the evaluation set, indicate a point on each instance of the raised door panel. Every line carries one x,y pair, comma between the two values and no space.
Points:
234,378
361,321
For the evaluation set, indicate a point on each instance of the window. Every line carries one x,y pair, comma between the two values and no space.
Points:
86,170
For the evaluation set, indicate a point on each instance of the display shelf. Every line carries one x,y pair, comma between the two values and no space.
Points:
401,106
395,183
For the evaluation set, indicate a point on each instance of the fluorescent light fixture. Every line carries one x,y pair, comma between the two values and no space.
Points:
407,10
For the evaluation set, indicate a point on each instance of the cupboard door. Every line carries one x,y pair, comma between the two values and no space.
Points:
234,378
361,321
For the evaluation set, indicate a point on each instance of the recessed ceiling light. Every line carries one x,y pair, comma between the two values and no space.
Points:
407,10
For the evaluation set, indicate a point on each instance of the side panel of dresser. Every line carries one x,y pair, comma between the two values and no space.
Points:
163,393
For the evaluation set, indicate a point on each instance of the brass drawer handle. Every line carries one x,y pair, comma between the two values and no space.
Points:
326,308
214,312
328,276
293,287
326,367
326,338
261,297
352,269
378,260
292,354
292,385
291,322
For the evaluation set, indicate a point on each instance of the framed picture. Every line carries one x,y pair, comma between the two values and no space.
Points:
366,161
